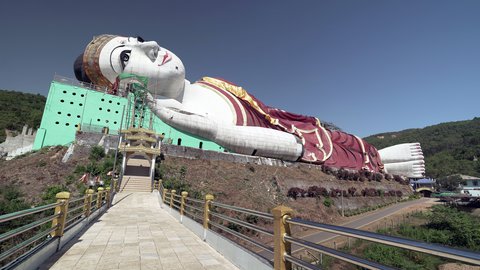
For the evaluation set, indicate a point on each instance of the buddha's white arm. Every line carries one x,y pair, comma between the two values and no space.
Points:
240,139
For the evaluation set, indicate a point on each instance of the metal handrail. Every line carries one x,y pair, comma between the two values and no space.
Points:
69,226
27,212
25,243
195,200
242,223
336,254
26,227
300,263
73,218
433,249
243,210
71,210
241,236
175,206
76,200
192,215
193,207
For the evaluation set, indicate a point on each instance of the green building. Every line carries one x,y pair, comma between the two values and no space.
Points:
73,106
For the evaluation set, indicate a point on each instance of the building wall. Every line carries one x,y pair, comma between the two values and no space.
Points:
70,106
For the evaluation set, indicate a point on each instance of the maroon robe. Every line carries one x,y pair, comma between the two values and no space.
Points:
321,146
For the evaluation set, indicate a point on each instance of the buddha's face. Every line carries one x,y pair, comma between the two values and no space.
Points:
165,71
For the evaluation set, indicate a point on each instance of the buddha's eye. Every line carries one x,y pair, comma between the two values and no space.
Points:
124,57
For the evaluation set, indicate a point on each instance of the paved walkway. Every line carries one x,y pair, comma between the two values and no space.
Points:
137,234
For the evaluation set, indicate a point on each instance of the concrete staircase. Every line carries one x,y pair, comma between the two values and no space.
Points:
136,177
133,183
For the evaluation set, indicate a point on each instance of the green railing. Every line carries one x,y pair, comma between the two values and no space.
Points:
277,248
31,228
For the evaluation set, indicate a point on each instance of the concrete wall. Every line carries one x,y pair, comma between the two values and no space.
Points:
195,153
17,145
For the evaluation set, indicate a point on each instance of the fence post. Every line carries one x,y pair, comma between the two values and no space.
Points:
88,202
172,194
280,229
99,197
206,214
115,185
108,196
59,222
182,206
164,193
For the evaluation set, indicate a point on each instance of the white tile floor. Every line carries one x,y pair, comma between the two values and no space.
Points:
137,234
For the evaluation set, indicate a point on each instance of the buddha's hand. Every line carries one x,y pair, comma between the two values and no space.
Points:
188,122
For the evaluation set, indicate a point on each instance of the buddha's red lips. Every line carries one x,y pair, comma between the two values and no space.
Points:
167,57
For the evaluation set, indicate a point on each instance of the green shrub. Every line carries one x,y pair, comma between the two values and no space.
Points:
328,202
49,193
400,258
96,153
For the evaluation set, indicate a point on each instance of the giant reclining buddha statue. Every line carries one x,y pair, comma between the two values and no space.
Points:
227,114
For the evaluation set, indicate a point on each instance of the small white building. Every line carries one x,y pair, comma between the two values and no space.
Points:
472,186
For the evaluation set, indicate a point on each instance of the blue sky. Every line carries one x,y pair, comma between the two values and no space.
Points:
367,66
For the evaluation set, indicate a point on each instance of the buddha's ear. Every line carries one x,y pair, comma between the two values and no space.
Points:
79,70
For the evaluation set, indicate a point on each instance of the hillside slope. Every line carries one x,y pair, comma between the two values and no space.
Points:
18,109
449,148
262,187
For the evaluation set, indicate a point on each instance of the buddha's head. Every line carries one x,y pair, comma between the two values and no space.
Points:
107,56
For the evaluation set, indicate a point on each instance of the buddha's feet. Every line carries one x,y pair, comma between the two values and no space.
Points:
404,159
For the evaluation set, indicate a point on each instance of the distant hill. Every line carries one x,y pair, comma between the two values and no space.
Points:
18,109
449,148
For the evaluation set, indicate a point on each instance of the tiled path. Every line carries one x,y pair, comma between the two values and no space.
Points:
137,234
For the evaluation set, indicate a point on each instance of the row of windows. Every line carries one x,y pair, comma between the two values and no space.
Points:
66,124
73,93
98,120
108,110
82,95
110,101
107,121
71,102
69,114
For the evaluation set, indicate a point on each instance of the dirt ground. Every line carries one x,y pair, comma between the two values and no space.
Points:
33,173
262,187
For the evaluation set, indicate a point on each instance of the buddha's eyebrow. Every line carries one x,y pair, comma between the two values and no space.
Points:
140,39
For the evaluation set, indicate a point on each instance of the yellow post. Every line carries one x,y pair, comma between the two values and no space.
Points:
108,196
164,193
59,222
87,208
115,185
280,229
182,206
172,193
206,214
99,197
